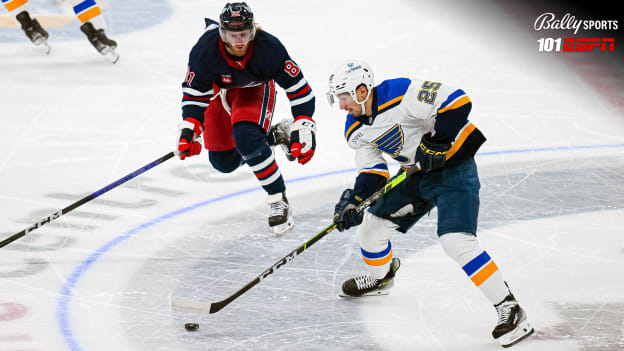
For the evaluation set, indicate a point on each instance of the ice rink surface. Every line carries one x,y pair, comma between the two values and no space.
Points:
552,199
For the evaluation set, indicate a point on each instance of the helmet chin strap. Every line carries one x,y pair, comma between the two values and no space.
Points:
363,103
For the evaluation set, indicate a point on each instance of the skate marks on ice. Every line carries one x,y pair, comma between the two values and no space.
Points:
594,327
298,307
295,307
100,213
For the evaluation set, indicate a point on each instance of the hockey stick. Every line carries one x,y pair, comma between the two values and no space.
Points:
57,214
183,304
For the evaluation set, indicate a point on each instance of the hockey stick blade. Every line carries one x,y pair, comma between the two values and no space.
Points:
183,304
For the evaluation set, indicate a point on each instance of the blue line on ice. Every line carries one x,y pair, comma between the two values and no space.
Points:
82,268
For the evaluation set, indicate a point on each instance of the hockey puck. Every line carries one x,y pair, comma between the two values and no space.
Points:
191,326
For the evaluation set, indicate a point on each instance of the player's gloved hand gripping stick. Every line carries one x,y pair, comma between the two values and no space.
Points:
183,304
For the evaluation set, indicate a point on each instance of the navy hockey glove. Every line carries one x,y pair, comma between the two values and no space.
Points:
189,131
431,155
345,215
303,138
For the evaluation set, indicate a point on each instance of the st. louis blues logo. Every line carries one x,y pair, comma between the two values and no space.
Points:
391,142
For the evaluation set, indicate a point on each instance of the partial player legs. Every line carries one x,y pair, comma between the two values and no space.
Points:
30,25
251,143
239,120
225,161
464,249
374,235
93,26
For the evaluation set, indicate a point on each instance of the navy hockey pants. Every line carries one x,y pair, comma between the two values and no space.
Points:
453,190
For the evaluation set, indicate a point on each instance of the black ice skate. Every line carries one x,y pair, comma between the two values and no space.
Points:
365,285
280,215
100,41
34,31
512,325
279,134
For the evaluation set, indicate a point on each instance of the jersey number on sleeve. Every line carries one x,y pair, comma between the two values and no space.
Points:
189,76
428,92
291,68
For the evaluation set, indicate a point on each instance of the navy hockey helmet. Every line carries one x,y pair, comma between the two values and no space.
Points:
236,16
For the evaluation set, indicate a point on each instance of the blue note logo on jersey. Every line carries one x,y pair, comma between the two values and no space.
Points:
391,142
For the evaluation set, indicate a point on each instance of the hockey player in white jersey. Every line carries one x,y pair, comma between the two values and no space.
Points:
424,123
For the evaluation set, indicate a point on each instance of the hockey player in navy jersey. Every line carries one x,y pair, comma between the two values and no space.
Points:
229,97
424,123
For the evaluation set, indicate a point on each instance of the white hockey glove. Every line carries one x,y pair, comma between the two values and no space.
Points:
303,138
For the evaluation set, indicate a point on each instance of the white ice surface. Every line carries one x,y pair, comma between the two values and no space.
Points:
98,279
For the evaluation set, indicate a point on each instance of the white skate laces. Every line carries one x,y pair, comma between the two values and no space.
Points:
277,208
504,310
365,282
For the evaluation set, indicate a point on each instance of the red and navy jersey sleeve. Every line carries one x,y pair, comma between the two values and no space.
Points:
287,73
196,95
197,87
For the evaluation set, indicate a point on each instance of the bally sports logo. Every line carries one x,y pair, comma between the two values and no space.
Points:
548,21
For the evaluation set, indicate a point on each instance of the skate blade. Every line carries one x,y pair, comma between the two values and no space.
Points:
369,294
523,330
281,229
43,44
112,56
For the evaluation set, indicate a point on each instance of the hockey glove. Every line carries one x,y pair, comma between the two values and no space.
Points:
345,215
303,138
189,131
431,155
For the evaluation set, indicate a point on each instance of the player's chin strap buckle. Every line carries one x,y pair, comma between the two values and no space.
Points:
330,98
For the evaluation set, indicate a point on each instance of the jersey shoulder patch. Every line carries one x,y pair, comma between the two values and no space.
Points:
390,93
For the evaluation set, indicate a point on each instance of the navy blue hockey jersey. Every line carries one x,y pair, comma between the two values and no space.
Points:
266,60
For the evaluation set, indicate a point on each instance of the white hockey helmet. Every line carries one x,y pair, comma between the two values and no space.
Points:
348,77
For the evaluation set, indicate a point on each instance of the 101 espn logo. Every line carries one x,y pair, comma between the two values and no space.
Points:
548,21
575,44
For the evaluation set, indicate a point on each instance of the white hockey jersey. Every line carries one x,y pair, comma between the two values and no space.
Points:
403,110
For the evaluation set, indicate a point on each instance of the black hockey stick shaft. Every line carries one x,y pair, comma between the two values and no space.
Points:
217,306
84,200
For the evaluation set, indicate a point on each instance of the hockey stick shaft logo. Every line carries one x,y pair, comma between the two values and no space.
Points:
44,220
279,264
